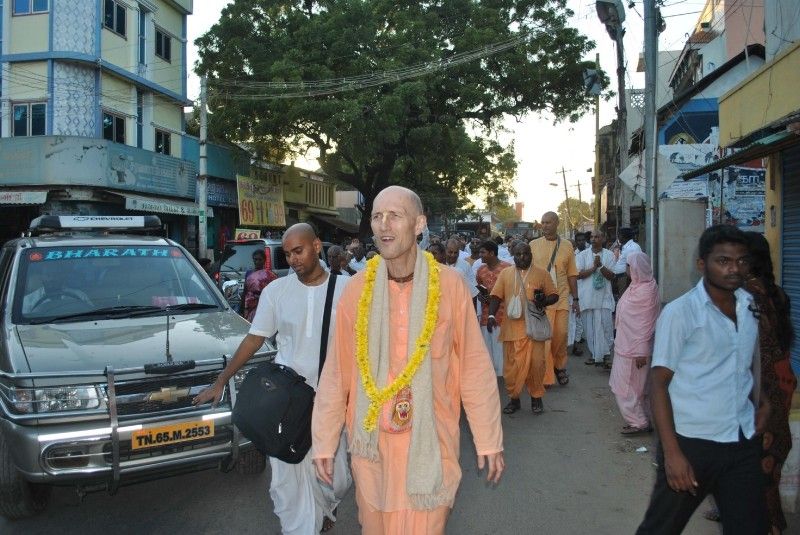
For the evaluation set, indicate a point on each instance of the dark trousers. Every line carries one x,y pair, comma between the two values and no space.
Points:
731,472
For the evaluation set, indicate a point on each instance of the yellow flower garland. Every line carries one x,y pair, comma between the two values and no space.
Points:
378,396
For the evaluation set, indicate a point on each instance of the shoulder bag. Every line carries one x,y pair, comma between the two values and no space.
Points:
514,305
274,404
537,326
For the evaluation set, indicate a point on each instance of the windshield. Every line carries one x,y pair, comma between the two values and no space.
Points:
56,282
239,257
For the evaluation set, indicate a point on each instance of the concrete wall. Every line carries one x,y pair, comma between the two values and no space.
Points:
744,25
27,33
782,22
122,51
168,74
167,116
763,97
119,96
680,223
27,81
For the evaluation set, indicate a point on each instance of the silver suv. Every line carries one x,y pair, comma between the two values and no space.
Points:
105,338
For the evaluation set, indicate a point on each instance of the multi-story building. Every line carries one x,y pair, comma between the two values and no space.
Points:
91,113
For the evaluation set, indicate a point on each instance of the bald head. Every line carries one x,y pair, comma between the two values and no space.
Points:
550,215
300,230
395,192
550,225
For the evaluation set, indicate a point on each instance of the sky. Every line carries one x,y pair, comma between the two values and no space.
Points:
543,148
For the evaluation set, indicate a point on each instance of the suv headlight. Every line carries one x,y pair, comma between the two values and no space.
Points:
62,398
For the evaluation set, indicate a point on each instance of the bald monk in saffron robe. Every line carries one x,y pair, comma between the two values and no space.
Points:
405,450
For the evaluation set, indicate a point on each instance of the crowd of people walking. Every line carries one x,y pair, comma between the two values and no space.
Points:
419,331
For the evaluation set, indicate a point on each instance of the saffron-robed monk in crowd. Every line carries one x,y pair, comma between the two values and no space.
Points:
399,383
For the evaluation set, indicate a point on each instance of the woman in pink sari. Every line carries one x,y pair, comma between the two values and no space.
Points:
637,311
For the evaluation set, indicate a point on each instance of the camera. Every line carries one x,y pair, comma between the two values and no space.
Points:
538,296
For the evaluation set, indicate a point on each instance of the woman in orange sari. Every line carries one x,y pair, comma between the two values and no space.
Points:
779,382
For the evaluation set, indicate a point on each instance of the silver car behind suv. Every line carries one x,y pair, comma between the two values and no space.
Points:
105,338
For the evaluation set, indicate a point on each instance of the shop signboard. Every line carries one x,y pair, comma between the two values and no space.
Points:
246,234
260,203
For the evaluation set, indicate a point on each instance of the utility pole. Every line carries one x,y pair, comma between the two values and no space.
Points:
651,31
622,129
202,177
597,154
566,201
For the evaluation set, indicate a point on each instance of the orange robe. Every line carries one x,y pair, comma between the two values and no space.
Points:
558,314
524,359
462,373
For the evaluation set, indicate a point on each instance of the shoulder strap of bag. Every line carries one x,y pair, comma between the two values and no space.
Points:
326,321
553,257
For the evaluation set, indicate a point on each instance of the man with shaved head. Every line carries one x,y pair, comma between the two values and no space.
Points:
454,260
407,354
292,307
558,259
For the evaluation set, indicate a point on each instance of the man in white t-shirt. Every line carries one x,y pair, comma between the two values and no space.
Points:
291,308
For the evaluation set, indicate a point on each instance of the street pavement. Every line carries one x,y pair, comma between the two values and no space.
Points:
568,471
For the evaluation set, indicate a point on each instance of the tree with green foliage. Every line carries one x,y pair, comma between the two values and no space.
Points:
579,213
436,131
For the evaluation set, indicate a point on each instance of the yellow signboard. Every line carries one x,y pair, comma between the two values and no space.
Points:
260,203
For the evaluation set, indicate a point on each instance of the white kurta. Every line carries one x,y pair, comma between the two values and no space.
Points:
463,267
597,304
294,311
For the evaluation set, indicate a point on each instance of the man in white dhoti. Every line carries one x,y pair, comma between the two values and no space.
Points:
597,301
292,308
575,335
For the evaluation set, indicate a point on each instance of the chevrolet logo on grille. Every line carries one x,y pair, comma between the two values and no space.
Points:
170,394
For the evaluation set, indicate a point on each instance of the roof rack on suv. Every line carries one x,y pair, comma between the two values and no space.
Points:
52,223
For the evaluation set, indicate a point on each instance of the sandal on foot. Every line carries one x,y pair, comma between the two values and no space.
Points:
561,376
590,362
537,406
512,406
636,430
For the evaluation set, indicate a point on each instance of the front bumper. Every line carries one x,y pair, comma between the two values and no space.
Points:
95,446
64,454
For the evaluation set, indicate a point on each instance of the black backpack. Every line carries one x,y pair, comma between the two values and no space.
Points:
274,404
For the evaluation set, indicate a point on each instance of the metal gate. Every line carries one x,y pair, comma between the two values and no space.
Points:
790,241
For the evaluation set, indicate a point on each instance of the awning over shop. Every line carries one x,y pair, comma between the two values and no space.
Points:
12,196
757,149
161,205
347,227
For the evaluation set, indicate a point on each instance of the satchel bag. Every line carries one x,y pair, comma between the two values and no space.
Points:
537,326
274,404
514,305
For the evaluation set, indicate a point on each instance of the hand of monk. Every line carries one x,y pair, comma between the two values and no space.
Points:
640,362
680,475
491,323
576,308
495,464
324,468
762,416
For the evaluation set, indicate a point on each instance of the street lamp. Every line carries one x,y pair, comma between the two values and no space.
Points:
566,204
612,14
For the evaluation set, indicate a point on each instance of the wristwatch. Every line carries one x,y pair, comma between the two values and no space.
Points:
491,316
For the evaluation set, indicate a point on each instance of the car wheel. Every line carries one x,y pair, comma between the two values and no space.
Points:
251,462
18,498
